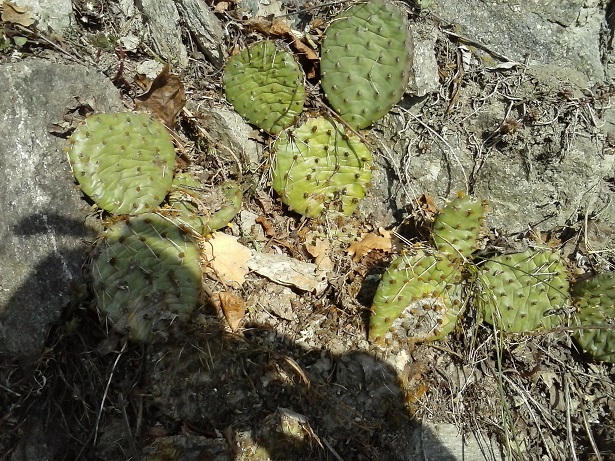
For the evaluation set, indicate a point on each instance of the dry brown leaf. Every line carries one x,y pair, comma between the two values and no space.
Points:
226,258
16,14
233,307
320,252
165,98
369,242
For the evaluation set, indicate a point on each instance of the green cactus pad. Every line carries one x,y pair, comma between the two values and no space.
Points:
366,60
201,211
266,86
595,301
523,291
457,226
124,161
321,168
419,297
146,273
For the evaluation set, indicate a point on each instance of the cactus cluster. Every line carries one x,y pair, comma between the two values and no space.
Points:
524,291
123,161
421,295
595,300
265,85
320,167
145,268
366,61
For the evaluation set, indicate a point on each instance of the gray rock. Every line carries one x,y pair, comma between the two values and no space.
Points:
51,15
562,37
234,137
163,24
42,227
205,28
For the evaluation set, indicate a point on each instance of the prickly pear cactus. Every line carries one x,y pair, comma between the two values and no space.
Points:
265,85
146,273
457,226
321,168
201,211
595,301
366,60
523,291
123,161
419,297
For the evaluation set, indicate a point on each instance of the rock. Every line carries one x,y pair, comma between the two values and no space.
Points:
163,21
206,30
234,137
562,37
42,227
51,15
425,78
443,442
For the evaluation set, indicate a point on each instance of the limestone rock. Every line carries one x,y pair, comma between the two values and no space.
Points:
42,226
51,15
562,37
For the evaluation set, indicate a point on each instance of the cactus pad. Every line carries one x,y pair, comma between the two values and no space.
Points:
124,161
366,60
146,273
266,86
320,167
419,297
523,291
457,226
201,211
595,301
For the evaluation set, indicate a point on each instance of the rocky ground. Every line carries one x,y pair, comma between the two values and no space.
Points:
509,102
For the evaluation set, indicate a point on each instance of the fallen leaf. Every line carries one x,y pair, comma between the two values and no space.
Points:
234,309
165,97
226,258
320,251
369,242
16,14
288,271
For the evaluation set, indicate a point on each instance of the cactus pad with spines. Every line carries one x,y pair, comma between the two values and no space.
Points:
123,161
146,273
320,167
202,210
265,85
457,226
366,60
595,301
419,297
522,292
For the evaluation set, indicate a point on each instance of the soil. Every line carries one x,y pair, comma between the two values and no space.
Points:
298,378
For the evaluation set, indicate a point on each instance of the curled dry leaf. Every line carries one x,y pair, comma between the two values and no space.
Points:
233,307
165,97
369,242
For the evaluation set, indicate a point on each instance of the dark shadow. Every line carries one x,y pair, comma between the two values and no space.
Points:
55,281
203,391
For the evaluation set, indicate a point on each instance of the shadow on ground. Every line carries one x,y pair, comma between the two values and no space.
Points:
202,394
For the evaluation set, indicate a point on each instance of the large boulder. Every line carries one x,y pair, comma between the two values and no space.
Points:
42,224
